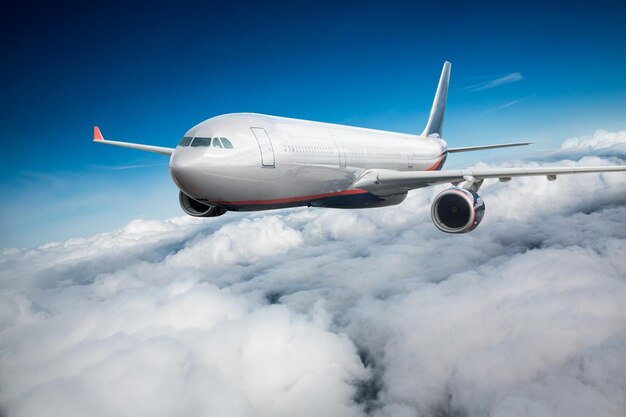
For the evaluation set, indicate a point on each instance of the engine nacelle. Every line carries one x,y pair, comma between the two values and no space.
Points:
197,209
457,210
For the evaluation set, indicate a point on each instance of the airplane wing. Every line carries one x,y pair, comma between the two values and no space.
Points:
385,182
97,137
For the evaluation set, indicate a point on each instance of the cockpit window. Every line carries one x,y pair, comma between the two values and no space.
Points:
185,141
227,143
201,142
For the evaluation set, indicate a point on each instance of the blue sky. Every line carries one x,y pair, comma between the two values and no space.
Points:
148,72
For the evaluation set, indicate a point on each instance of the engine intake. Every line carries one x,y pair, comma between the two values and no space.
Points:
457,210
197,209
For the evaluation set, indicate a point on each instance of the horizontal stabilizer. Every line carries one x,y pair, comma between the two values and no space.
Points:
485,147
98,138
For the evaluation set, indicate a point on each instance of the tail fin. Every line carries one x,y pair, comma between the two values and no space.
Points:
435,120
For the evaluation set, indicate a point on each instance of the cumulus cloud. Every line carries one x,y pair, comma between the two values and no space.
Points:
330,312
601,144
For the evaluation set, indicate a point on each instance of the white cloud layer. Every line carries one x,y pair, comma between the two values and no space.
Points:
337,313
602,144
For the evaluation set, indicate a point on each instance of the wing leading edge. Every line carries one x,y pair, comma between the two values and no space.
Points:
381,181
485,147
97,137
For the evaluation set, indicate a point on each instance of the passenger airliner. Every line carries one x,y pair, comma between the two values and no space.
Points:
250,162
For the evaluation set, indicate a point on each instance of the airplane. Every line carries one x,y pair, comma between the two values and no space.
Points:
252,162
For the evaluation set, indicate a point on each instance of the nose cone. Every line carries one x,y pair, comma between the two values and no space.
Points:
186,169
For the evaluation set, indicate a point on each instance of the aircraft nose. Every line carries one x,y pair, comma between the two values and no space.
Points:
185,167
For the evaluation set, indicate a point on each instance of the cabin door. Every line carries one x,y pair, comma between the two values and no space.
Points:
265,146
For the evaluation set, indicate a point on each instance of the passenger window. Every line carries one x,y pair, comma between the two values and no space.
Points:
227,143
200,142
185,141
217,143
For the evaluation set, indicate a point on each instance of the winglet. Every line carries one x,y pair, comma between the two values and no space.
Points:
97,135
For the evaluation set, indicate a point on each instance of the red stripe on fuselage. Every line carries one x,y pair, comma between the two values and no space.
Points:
289,199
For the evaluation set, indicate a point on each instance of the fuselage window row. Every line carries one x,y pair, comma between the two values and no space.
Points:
317,150
221,142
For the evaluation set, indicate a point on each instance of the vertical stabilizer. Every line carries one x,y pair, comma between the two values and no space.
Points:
434,127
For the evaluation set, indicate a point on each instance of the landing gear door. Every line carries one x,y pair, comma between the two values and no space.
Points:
265,146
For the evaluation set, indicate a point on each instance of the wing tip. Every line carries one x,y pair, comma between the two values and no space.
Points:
97,135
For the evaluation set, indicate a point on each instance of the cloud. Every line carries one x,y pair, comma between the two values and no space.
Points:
488,85
505,105
330,312
508,104
604,144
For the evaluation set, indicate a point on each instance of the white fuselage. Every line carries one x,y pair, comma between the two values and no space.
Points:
278,162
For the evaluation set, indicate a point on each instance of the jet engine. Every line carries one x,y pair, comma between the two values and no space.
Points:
197,209
457,210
